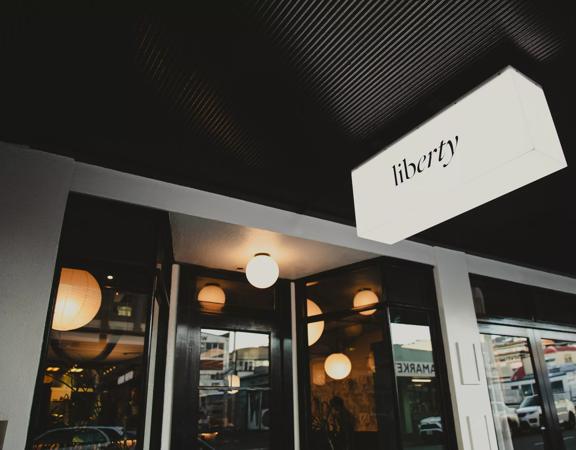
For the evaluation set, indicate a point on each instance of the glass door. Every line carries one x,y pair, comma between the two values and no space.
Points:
531,377
232,369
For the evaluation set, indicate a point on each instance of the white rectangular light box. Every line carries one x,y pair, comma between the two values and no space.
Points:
496,139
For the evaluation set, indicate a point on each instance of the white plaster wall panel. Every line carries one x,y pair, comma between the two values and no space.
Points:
34,189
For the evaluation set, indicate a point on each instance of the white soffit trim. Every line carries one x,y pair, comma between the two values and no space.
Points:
496,139
111,184
114,185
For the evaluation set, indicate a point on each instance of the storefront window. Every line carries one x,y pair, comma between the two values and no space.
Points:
373,381
419,387
91,392
494,298
560,358
348,387
514,395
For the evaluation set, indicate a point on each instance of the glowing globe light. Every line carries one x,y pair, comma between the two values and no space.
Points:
233,382
365,297
262,271
338,366
78,300
212,293
315,329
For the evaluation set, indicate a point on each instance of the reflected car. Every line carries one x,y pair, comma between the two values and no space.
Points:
502,411
530,412
85,438
566,410
430,427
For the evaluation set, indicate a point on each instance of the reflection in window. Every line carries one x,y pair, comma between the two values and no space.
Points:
349,407
514,396
559,357
91,391
419,391
234,389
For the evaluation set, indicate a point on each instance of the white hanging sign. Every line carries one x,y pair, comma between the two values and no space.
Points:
496,139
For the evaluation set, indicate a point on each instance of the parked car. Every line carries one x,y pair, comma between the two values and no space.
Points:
85,438
430,427
503,412
530,411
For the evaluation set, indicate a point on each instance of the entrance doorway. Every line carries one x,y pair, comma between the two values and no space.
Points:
232,382
531,377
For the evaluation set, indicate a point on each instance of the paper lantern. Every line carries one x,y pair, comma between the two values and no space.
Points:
338,366
233,382
212,293
365,297
262,271
315,329
78,300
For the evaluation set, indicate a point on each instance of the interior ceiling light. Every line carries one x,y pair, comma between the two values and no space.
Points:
315,329
212,293
78,300
262,271
365,297
338,366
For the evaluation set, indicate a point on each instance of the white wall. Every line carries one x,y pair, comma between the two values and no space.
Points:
34,188
466,376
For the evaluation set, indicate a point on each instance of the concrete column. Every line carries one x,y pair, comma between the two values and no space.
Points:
34,189
470,399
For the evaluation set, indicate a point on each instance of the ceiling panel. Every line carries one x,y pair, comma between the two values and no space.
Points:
219,245
276,101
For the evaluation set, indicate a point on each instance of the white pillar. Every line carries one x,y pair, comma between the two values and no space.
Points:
170,360
470,399
34,188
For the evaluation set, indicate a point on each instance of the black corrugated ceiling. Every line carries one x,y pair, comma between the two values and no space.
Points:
276,101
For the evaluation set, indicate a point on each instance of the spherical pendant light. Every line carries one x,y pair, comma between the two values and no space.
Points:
212,293
262,271
233,382
78,300
338,366
315,329
365,297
